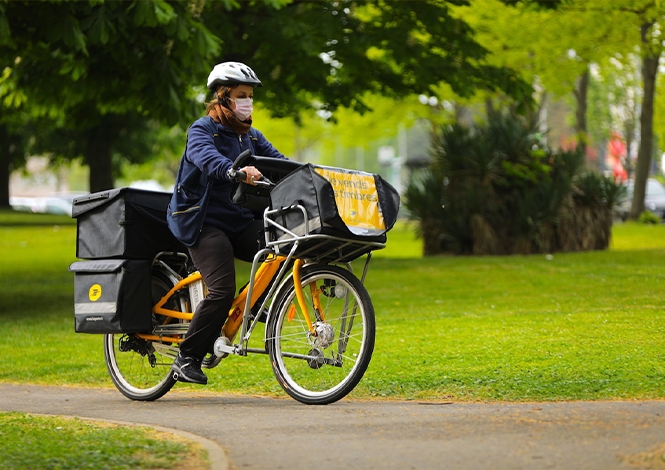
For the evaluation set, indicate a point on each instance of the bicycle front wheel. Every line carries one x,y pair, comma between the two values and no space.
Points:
321,367
141,369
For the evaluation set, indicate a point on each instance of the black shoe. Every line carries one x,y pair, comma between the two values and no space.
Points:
188,369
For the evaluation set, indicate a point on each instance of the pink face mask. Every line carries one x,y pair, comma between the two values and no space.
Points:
244,108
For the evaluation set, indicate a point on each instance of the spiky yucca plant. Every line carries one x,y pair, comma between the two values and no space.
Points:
496,189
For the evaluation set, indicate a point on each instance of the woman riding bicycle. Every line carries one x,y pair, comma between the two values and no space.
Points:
201,214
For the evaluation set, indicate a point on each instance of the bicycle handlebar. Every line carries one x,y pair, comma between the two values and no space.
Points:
241,159
240,176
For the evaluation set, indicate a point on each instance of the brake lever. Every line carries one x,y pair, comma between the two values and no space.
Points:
241,177
263,181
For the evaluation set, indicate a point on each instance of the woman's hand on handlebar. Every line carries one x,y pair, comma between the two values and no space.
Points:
249,175
252,175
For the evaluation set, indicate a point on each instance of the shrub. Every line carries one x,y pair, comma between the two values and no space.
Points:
495,188
648,217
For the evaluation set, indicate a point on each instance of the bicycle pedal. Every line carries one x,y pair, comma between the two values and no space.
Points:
223,347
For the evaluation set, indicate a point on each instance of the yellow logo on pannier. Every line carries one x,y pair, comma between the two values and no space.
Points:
95,292
356,198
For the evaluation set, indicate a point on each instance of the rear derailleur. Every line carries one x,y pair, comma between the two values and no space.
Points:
128,343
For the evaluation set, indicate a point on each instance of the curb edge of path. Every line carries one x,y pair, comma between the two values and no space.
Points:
216,454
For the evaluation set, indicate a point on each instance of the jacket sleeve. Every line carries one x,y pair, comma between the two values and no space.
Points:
263,148
203,153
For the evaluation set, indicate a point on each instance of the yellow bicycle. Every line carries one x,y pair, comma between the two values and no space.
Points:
319,319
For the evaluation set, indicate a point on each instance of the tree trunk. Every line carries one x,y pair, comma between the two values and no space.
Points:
581,92
629,126
649,72
98,156
5,166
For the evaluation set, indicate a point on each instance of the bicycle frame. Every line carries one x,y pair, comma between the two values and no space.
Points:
261,274
319,314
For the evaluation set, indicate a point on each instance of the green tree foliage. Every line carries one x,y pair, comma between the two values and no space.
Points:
496,189
550,4
91,75
331,54
552,47
92,65
644,19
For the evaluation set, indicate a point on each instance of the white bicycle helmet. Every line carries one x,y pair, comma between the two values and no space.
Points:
232,73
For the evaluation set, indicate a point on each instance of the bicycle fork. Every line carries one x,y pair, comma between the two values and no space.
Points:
300,296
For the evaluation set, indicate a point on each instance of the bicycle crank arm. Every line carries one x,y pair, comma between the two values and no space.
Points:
223,347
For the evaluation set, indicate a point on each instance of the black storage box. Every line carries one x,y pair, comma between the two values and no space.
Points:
354,203
123,223
112,296
354,207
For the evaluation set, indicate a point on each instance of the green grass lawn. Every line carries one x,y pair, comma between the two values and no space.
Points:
572,326
51,442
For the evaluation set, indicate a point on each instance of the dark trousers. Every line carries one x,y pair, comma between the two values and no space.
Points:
213,254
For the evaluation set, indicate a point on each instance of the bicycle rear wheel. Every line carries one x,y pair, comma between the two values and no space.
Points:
141,369
323,368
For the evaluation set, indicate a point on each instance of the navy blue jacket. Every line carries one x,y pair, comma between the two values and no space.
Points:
202,191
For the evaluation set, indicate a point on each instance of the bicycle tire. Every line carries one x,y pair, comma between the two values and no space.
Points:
137,369
323,369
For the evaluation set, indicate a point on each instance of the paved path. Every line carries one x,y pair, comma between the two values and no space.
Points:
272,433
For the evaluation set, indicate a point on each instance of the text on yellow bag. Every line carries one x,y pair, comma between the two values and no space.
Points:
356,197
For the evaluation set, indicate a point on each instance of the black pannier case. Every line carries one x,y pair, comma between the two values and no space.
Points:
112,296
125,223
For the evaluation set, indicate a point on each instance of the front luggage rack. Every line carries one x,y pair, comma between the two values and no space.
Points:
317,247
